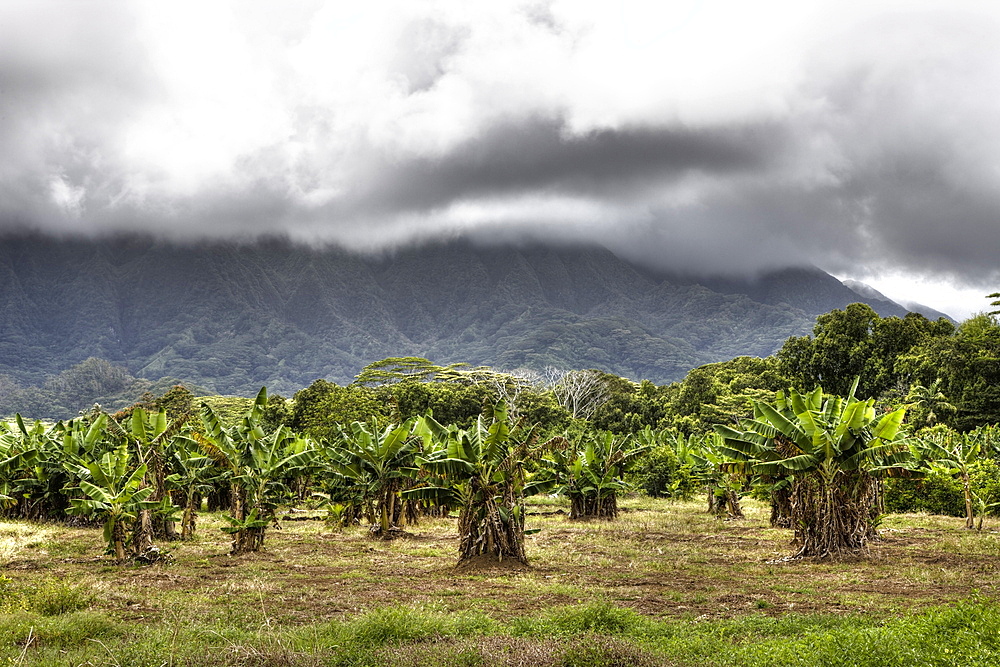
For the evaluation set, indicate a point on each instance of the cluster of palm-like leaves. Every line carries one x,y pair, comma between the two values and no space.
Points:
136,476
91,467
590,471
814,432
256,466
481,471
835,450
368,465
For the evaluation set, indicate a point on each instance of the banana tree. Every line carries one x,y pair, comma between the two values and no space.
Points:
836,450
151,436
590,472
378,461
481,471
256,465
10,465
955,453
42,491
193,476
723,478
115,493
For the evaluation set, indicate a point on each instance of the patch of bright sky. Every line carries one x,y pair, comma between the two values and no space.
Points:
960,303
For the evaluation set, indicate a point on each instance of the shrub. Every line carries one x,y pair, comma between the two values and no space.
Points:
941,493
660,474
937,493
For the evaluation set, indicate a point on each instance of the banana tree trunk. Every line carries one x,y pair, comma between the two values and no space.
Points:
593,507
484,534
733,507
118,538
967,490
188,518
781,508
239,511
143,535
833,515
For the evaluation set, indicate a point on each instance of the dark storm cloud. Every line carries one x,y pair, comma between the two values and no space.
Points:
540,155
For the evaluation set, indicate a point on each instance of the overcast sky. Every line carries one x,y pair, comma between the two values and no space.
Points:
862,137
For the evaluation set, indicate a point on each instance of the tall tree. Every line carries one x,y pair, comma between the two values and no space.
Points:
968,365
929,403
580,392
855,343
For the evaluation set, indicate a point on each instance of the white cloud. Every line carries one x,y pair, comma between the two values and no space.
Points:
877,122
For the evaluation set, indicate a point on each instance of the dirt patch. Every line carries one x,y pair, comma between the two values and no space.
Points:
489,564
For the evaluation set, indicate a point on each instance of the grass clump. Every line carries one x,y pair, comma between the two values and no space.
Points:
353,642
965,634
50,597
58,596
594,617
398,625
67,631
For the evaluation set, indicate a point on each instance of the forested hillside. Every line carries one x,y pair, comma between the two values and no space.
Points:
233,317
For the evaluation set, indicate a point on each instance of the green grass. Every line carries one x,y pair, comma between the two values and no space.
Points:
664,584
967,633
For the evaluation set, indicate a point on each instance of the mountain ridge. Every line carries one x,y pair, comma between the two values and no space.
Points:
232,316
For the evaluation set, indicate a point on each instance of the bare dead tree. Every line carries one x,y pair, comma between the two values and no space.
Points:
580,392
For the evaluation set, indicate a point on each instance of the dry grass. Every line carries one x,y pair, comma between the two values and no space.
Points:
661,559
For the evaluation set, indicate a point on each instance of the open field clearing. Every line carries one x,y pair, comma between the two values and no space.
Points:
664,584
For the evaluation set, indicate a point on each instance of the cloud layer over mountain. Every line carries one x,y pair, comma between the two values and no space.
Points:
704,136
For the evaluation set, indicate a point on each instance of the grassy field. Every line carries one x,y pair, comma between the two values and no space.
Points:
664,584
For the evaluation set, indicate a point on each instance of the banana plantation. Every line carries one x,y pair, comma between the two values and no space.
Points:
828,465
143,474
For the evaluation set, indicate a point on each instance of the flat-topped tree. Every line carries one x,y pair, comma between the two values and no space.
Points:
836,450
400,369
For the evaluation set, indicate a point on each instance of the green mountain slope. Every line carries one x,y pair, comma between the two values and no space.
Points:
232,317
